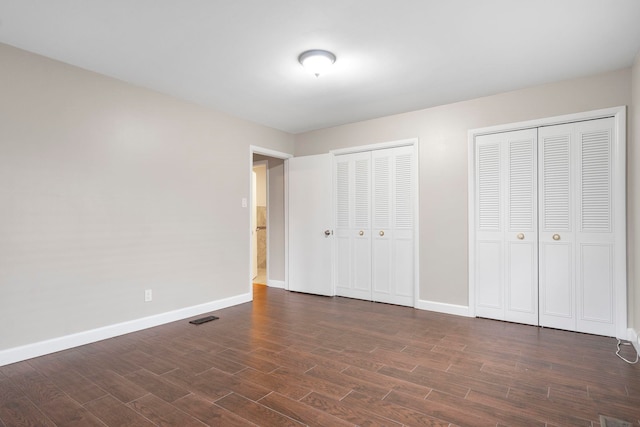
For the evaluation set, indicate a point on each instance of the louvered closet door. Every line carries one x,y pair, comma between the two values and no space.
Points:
393,225
506,268
577,259
353,225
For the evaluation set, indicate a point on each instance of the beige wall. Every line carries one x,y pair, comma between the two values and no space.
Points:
443,161
633,200
107,189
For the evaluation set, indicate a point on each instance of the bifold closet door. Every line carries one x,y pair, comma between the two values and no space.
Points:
577,227
392,226
506,247
353,225
375,225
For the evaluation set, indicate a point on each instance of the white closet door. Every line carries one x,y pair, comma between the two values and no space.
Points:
353,225
557,228
521,238
577,235
595,237
506,272
393,226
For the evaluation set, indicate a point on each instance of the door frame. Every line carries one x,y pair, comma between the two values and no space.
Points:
415,143
619,115
254,149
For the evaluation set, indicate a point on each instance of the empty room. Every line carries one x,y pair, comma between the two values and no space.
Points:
334,213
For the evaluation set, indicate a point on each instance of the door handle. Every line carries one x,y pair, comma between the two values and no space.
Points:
556,237
520,236
381,233
361,233
327,233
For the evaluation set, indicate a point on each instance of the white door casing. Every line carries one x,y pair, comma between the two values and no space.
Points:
310,224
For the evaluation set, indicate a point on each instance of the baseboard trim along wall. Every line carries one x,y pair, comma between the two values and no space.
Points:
276,284
441,307
17,354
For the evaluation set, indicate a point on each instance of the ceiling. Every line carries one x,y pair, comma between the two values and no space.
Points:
240,56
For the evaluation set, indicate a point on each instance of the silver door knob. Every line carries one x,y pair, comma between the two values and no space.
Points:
381,233
520,236
361,233
556,237
327,232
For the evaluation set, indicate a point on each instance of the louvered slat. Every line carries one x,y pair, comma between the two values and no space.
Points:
362,193
342,196
381,196
596,181
489,187
404,191
556,183
521,186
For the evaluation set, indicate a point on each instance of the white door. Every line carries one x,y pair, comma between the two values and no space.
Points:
577,235
353,225
310,224
557,254
506,268
392,278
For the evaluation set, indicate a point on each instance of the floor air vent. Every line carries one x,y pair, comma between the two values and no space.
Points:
612,422
203,320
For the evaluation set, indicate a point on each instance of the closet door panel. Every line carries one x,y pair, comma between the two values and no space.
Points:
382,253
557,295
522,295
506,209
393,225
597,287
353,228
382,205
595,235
489,274
521,240
557,226
403,263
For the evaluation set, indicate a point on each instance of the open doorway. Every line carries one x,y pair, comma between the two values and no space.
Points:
268,218
259,221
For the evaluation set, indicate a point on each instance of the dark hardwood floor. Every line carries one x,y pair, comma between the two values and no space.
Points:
295,359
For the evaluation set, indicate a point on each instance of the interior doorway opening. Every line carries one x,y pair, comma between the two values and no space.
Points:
268,211
259,221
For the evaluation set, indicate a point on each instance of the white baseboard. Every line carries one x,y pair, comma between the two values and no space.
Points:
276,284
632,335
441,307
17,354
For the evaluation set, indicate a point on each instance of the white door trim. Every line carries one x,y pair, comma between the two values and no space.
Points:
379,146
619,115
254,149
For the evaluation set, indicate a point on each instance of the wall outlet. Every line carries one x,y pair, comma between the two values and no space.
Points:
148,295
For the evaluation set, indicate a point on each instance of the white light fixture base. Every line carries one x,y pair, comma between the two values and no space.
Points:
316,61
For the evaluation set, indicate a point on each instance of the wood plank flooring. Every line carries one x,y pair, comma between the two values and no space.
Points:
290,359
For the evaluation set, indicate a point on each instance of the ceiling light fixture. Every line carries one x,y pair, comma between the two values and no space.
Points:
316,61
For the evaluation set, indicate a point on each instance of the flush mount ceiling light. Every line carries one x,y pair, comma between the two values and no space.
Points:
316,61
